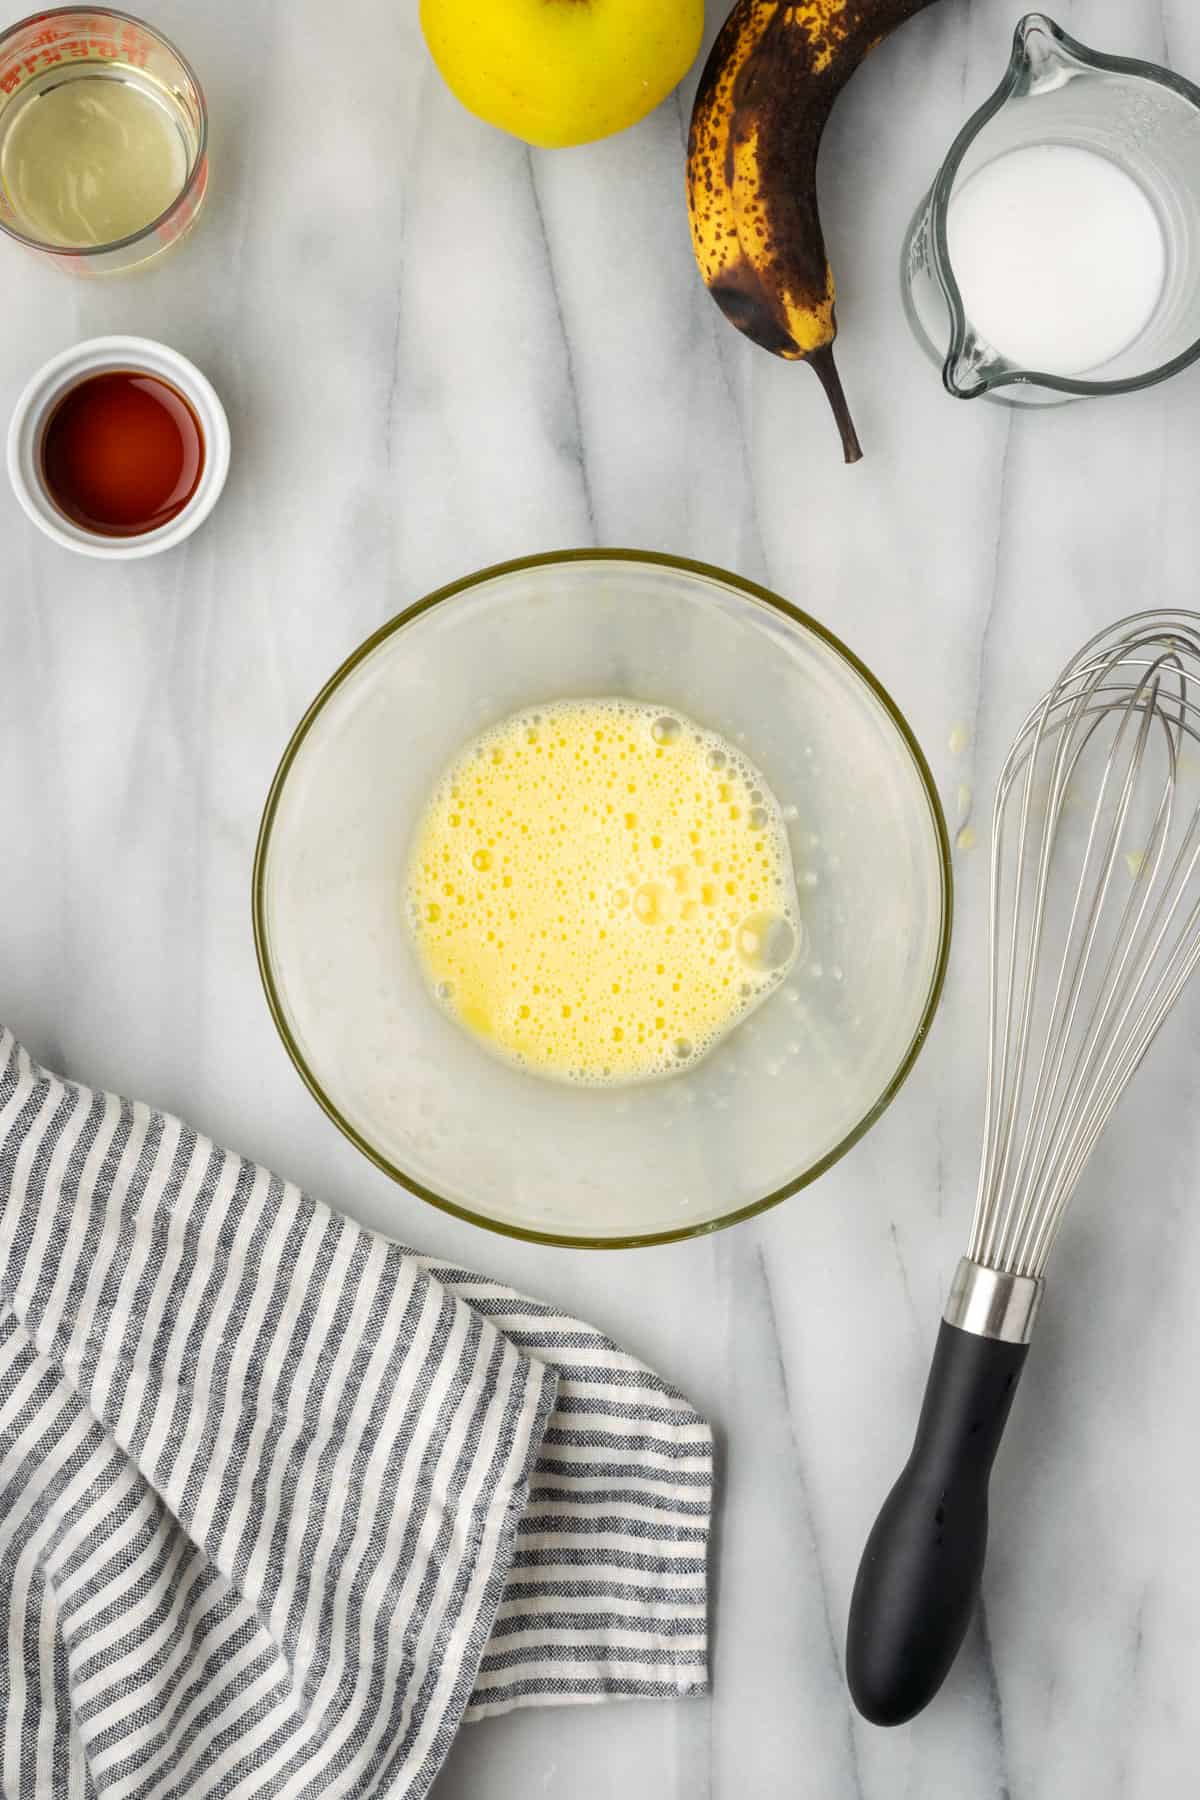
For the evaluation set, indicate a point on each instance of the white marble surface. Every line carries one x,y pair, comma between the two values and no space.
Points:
437,351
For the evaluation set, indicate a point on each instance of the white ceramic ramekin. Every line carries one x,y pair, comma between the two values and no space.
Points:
46,389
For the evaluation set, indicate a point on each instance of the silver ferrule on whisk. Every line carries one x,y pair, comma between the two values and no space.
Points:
990,1304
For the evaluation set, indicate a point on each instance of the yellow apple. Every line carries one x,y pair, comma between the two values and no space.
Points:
557,72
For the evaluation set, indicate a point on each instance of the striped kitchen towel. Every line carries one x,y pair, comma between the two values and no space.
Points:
282,1503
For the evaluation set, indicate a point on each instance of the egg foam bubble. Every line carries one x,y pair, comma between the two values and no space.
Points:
600,890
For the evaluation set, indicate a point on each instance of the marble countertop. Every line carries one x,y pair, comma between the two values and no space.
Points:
438,350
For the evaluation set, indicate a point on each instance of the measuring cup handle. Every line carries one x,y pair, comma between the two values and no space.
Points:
920,1572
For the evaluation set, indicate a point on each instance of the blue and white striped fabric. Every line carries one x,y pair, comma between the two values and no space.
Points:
281,1503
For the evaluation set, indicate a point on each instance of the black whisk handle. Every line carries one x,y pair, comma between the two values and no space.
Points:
919,1577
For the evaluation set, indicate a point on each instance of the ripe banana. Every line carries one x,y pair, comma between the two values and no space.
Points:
765,94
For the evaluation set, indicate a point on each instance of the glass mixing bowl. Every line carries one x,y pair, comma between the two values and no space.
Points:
787,1092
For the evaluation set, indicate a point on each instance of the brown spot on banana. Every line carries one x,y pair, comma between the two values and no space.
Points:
710,194
763,101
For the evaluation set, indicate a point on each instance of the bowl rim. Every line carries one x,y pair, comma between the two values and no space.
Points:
451,590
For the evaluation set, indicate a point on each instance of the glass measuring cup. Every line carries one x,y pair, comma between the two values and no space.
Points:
66,44
1144,120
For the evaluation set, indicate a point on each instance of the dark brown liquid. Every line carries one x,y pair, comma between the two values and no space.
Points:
122,453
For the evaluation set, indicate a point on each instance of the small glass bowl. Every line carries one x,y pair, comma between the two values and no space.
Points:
40,52
773,1104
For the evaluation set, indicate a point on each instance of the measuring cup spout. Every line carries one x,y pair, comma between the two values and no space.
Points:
1041,61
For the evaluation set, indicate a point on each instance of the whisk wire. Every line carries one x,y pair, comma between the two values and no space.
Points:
1050,1105
1082,973
998,1140
1178,965
1044,726
1058,1094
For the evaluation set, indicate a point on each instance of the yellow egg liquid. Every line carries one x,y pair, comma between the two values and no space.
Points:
599,890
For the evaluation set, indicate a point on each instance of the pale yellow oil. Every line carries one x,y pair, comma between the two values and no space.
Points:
91,160
599,890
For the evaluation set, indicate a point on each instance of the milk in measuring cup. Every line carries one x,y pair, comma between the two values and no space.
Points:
1059,257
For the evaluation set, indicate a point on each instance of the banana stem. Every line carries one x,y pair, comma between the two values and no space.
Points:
822,361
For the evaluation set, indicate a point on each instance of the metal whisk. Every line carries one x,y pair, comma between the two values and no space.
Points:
1095,929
